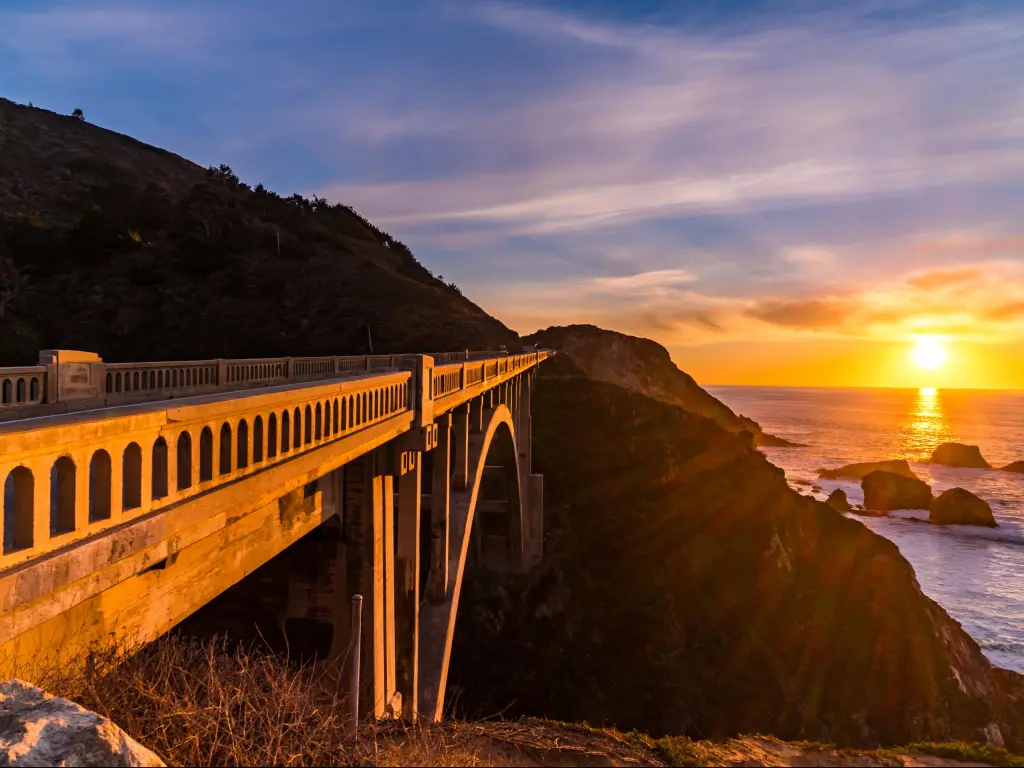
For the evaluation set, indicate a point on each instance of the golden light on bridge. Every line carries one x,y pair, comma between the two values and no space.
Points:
929,353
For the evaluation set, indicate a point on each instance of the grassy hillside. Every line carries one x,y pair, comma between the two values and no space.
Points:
113,246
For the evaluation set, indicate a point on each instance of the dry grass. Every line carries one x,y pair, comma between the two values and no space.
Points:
208,702
211,703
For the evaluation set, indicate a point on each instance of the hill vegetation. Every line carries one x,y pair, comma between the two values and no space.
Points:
114,246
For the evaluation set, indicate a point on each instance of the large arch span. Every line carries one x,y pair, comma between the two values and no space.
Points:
494,446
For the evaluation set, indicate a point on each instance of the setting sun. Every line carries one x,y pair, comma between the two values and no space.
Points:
929,354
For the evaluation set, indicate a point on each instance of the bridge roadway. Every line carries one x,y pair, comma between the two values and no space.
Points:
135,493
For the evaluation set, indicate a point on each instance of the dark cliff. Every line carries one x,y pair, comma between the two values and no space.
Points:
643,366
687,589
120,248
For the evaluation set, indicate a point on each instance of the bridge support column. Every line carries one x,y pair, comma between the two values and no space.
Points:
407,587
531,486
440,501
460,435
369,510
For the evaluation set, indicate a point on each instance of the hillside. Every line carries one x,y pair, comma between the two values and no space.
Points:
687,589
114,246
644,366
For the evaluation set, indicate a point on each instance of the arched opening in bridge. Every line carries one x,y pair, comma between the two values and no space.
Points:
272,436
184,461
286,432
346,412
308,435
243,443
19,495
225,449
336,416
297,428
99,486
62,496
7,392
206,455
495,549
364,413
131,477
318,433
159,462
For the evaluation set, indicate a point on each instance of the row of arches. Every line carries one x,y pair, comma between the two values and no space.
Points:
270,436
20,390
131,381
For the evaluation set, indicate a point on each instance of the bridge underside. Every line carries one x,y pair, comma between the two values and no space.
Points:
371,521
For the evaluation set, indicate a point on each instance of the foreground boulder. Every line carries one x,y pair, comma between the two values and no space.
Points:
838,501
958,506
886,491
39,729
959,455
857,471
1017,466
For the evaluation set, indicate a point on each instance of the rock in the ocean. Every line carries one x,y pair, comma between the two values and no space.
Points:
39,729
885,491
961,507
1017,466
858,471
959,455
837,500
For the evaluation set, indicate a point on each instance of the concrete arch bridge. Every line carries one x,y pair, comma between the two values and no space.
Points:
136,493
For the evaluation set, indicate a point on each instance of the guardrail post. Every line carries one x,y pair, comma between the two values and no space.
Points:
222,372
72,375
422,367
287,367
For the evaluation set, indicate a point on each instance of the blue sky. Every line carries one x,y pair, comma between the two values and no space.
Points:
719,176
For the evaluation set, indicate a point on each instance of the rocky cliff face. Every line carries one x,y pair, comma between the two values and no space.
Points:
124,249
643,366
687,589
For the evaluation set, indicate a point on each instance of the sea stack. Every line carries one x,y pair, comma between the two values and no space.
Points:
859,470
886,491
959,455
958,506
838,501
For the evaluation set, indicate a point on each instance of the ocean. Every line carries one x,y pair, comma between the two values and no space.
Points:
976,574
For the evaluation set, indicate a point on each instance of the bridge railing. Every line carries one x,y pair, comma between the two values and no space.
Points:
22,386
71,476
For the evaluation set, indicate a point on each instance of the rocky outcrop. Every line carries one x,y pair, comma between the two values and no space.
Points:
1017,466
886,491
39,729
958,506
857,471
838,501
959,455
687,589
644,366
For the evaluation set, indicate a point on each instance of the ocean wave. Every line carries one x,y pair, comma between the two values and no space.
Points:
1003,646
1003,535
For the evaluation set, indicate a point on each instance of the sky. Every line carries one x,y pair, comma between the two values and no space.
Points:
787,192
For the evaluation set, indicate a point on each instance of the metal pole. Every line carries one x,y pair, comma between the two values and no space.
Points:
357,633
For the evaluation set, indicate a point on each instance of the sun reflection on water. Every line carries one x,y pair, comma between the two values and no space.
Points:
926,425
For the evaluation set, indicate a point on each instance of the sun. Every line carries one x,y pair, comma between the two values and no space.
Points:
929,354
